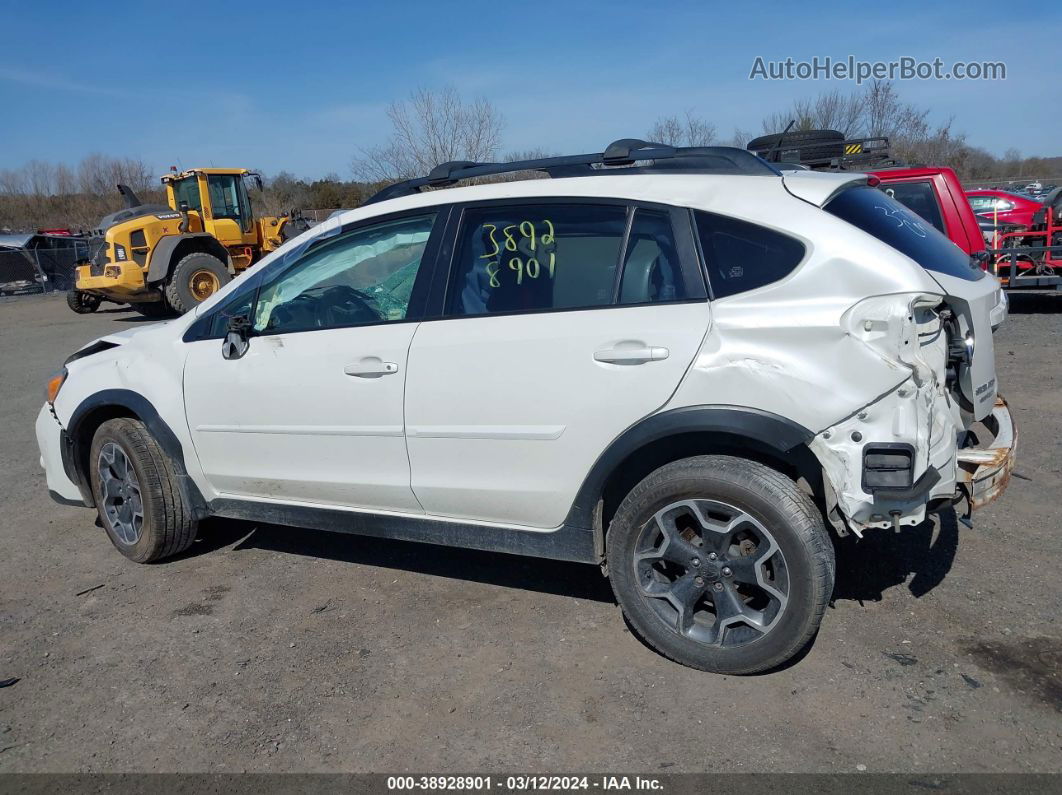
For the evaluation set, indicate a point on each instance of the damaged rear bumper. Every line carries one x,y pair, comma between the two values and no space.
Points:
984,472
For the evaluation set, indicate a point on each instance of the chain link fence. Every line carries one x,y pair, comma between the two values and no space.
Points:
26,271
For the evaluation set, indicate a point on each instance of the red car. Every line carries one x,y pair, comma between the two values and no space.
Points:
1009,208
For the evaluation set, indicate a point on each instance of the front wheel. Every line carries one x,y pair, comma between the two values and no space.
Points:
721,564
137,493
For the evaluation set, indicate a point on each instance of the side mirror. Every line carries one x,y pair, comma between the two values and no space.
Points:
237,338
258,182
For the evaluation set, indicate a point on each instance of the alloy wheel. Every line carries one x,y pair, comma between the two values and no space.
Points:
120,497
711,572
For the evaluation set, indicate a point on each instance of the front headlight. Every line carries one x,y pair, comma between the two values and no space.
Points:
119,253
55,383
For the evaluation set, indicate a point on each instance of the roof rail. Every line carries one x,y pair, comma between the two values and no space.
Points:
625,156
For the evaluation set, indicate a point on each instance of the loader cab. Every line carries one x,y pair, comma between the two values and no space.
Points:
219,199
218,204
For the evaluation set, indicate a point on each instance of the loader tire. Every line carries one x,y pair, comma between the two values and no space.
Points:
195,278
82,303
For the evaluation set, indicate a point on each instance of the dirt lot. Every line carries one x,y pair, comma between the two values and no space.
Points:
277,649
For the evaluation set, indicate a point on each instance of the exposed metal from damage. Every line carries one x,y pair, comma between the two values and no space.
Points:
985,472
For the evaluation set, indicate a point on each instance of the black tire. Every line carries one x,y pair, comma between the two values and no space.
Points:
159,309
179,293
806,140
802,564
166,527
82,303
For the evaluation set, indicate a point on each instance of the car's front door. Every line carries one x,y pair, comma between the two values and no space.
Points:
566,323
313,411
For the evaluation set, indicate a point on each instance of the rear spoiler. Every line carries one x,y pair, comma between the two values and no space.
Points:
818,188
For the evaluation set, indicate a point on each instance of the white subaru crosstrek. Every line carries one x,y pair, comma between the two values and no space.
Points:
681,364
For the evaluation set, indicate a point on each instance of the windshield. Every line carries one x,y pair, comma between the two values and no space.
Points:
890,222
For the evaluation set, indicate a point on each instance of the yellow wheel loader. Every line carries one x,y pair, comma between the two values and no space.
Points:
164,259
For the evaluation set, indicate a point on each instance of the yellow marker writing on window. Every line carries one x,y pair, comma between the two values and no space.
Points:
527,229
497,248
516,264
532,267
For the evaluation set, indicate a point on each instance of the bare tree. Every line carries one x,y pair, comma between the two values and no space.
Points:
430,128
98,174
741,137
831,110
836,111
1013,162
800,113
687,131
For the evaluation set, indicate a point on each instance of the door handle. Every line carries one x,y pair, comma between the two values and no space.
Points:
371,367
639,355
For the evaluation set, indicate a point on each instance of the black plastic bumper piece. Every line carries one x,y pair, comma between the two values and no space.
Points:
917,491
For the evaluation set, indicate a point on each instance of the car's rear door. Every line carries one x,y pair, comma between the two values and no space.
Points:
565,322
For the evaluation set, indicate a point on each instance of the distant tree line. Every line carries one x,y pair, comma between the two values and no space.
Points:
48,195
433,127
874,110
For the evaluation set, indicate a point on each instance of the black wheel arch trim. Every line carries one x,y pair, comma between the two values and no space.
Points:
763,427
75,448
162,256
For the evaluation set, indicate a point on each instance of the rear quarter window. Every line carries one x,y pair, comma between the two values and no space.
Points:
741,256
894,224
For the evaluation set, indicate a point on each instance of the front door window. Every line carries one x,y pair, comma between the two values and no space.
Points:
359,278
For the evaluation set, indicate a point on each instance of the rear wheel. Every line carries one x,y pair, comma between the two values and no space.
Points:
136,493
721,564
82,303
195,278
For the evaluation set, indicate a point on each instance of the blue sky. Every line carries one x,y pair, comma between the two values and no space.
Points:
301,86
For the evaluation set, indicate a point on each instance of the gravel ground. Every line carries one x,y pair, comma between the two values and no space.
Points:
276,649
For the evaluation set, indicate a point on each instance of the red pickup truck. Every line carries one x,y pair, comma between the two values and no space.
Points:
935,193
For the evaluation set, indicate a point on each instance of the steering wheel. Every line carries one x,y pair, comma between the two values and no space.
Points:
343,305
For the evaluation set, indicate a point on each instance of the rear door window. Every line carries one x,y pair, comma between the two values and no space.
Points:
537,257
742,256
918,197
549,256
